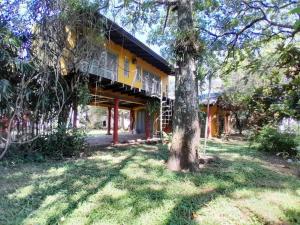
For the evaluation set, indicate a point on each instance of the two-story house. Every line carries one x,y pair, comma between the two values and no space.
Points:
127,74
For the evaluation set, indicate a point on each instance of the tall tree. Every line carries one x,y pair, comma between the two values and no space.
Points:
175,20
186,130
33,85
222,27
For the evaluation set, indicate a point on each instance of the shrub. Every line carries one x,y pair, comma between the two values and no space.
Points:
272,141
59,144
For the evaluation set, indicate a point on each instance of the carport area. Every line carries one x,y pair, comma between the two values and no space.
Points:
124,137
123,118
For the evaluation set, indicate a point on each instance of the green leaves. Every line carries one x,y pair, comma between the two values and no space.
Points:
272,141
297,23
83,95
5,90
295,11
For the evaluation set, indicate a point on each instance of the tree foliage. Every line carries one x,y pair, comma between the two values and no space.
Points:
32,47
266,88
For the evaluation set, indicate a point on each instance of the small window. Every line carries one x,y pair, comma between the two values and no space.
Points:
126,67
138,73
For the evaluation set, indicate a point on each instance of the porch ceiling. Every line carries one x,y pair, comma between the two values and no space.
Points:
104,91
102,101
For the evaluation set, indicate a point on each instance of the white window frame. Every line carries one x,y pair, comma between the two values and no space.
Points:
126,72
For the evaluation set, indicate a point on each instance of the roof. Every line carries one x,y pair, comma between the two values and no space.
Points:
213,98
120,36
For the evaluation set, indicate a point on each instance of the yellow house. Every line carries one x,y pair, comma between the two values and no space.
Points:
218,117
126,74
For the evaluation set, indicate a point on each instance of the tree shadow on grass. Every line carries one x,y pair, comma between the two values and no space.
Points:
52,197
293,215
76,176
139,183
228,177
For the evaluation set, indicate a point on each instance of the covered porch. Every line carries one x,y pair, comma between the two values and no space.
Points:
114,97
123,138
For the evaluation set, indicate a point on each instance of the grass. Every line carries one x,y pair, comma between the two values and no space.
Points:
132,186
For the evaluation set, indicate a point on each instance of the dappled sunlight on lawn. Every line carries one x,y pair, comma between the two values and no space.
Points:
132,186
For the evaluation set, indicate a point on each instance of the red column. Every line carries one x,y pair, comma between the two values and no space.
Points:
147,125
116,121
226,124
109,121
209,123
131,120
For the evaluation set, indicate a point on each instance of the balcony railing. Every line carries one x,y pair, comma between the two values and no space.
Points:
95,69
152,87
106,66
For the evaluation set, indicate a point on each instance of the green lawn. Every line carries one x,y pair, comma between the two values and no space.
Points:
132,186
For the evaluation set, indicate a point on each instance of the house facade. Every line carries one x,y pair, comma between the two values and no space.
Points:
127,74
218,118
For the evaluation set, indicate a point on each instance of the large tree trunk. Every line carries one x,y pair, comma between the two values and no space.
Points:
239,125
186,130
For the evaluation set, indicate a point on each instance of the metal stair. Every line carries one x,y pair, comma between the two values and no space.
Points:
166,117
167,112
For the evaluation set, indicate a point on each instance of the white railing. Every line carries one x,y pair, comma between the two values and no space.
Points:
106,66
95,69
151,84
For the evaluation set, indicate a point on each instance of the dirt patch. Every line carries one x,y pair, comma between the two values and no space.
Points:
280,165
275,163
208,160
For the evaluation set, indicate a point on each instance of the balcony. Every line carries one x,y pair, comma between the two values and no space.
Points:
151,84
95,69
105,65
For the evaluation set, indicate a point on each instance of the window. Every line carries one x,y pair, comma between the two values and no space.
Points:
151,83
126,67
102,59
146,81
107,65
111,66
138,73
104,65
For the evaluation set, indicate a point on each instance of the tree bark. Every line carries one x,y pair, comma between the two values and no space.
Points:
75,111
186,130
239,125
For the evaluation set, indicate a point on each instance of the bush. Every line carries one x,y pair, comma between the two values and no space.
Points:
272,141
57,145
61,143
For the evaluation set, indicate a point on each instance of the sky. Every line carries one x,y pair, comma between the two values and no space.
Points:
142,36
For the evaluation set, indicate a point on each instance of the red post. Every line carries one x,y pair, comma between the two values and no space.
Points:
109,121
131,120
116,121
209,131
147,125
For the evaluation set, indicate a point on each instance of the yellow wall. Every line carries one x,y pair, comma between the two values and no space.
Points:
67,55
121,53
212,120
